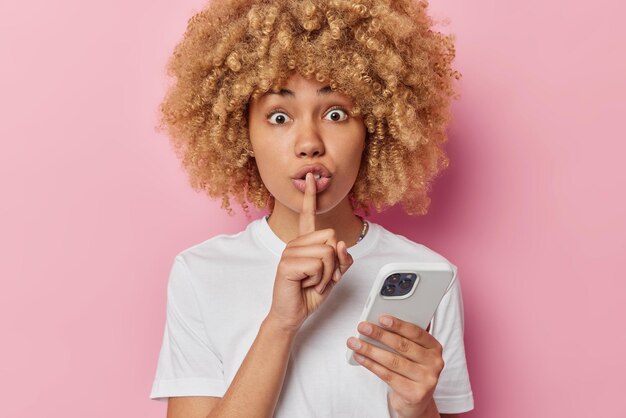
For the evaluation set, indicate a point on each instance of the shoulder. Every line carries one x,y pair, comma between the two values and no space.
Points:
391,242
219,251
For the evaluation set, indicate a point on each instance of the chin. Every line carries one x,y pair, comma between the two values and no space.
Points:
326,202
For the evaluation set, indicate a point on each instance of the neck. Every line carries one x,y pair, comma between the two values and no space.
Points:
284,222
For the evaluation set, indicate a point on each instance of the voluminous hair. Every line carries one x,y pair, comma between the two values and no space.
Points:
381,53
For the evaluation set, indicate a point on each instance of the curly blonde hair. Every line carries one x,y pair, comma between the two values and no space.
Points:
381,53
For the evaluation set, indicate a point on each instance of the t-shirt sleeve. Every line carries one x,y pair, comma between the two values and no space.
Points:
187,365
453,393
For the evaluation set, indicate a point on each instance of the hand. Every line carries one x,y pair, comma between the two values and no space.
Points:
412,372
310,266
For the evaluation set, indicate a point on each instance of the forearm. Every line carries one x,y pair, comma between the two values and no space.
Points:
255,388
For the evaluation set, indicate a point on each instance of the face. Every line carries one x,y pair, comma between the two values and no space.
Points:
305,123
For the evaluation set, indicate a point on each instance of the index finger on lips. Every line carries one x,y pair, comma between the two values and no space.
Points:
307,214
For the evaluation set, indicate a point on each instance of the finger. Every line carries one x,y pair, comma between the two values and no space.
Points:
320,280
307,214
400,344
311,281
398,381
409,390
340,269
333,277
345,259
392,361
319,251
321,236
410,331
303,268
332,242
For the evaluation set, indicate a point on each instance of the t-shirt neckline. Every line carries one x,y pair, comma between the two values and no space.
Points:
270,240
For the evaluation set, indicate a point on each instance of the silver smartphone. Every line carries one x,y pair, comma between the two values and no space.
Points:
408,291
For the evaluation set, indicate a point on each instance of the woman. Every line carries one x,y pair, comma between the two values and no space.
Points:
357,94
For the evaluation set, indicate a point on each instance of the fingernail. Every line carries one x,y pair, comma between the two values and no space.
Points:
354,343
337,274
386,321
320,288
366,329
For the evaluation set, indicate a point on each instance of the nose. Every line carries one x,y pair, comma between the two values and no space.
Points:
309,142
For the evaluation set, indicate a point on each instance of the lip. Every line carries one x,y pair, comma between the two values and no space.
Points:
313,168
320,185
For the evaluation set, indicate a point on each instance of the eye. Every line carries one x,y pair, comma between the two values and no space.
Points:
277,117
337,114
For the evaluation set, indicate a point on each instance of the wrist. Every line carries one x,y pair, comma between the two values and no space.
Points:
430,411
278,327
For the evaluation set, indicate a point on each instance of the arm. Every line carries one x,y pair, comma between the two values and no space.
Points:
310,266
255,388
311,261
432,411
190,406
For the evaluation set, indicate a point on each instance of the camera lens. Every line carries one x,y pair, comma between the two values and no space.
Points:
394,278
405,284
388,290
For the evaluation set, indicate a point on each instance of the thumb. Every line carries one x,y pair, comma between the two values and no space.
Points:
345,259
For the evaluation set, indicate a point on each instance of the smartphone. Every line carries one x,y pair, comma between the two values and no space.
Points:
408,291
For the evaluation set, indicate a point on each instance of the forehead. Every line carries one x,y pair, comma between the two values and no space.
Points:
297,86
292,93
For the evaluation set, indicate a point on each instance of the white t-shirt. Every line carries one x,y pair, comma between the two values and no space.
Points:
219,291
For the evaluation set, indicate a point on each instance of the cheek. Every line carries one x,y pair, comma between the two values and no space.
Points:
270,162
356,154
350,164
265,168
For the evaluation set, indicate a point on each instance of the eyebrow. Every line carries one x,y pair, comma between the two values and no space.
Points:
289,93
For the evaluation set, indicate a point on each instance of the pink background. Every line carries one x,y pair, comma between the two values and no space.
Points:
95,205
